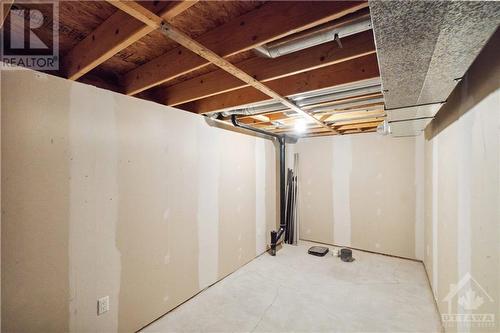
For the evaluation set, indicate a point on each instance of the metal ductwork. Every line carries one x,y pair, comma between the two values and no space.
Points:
307,99
348,105
328,32
423,49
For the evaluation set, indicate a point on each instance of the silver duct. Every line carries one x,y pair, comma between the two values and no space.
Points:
342,106
312,37
308,99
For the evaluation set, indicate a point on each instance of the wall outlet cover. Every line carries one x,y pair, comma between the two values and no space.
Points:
102,305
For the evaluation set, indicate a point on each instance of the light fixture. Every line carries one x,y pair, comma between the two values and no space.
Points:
384,128
300,125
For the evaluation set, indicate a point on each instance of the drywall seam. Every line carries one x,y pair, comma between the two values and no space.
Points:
342,168
93,214
419,195
208,206
435,173
465,125
260,196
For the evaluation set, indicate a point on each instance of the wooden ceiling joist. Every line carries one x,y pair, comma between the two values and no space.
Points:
178,36
269,22
279,115
113,35
265,69
360,125
362,68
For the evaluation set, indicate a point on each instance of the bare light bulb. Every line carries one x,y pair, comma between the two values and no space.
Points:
300,126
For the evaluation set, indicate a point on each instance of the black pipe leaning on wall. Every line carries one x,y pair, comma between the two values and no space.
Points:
275,235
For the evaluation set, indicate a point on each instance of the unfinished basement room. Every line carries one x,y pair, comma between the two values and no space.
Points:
250,166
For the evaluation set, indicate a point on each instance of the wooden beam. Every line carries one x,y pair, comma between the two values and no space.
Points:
360,125
189,43
6,4
358,69
264,69
277,115
312,135
113,35
271,21
181,38
354,116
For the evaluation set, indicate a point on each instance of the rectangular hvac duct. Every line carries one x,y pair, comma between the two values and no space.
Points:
425,47
413,112
411,127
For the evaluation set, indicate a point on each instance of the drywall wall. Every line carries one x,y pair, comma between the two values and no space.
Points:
108,195
362,191
462,190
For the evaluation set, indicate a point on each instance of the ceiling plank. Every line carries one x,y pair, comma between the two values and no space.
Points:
113,35
269,22
358,69
175,34
265,69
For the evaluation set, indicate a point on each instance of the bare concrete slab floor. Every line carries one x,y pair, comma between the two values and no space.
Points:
298,292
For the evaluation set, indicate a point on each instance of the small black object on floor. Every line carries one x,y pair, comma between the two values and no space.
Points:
346,255
318,251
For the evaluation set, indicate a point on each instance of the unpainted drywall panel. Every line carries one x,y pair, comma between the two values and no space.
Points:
108,195
463,178
237,206
316,190
370,182
383,194
466,209
32,219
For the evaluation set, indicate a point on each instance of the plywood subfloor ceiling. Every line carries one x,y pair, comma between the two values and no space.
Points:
199,56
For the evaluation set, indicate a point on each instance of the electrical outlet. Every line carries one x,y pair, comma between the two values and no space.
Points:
102,305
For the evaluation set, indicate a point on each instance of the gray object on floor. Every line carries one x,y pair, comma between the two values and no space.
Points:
346,255
319,251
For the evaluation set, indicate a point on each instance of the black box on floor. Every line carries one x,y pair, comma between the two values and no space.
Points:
319,251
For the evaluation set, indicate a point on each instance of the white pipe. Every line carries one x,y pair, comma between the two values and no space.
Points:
312,37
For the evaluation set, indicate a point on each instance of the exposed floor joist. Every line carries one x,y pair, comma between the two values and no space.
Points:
269,22
152,20
113,35
264,69
358,69
328,84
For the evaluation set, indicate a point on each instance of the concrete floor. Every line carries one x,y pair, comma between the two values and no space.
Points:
298,292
